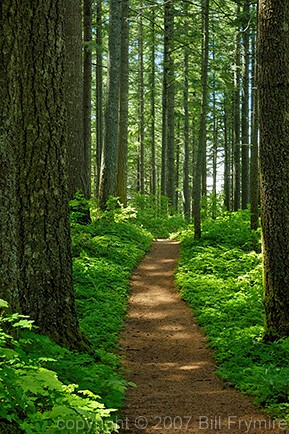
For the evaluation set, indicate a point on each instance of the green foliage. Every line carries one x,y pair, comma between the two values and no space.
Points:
34,399
156,216
47,388
221,278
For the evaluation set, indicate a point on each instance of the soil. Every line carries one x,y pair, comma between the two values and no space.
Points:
167,357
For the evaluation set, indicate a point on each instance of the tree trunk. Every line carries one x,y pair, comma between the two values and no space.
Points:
245,105
254,164
35,110
74,97
236,126
273,78
153,188
141,108
87,78
108,177
186,185
227,162
169,29
9,206
99,95
203,118
121,189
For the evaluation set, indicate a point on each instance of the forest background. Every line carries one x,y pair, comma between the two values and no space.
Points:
152,105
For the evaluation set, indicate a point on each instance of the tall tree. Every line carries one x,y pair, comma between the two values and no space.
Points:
107,186
236,110
169,31
245,103
153,180
121,189
186,185
77,178
273,78
99,95
254,162
87,79
203,118
34,126
141,126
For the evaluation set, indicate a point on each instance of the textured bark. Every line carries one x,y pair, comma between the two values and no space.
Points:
203,118
8,181
108,178
74,97
273,81
245,104
123,107
37,130
87,78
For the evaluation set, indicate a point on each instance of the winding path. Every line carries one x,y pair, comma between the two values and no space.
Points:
166,356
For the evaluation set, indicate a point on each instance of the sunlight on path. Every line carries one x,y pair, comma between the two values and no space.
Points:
166,355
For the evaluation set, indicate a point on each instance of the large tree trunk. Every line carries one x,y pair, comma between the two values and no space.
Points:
274,161
36,130
8,182
74,97
141,126
108,177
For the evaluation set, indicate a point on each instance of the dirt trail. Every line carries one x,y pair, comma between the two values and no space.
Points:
166,356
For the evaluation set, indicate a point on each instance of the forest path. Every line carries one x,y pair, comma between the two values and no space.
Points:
166,355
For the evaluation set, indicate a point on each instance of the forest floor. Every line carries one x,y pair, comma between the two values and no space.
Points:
167,357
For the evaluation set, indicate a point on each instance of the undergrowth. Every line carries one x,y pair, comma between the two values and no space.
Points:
221,278
47,388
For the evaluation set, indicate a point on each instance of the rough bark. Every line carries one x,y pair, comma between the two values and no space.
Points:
37,133
8,180
273,60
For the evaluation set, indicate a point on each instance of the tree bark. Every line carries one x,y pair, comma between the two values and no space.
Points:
99,95
87,79
74,97
35,110
203,118
121,189
108,177
236,126
245,104
186,165
273,78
